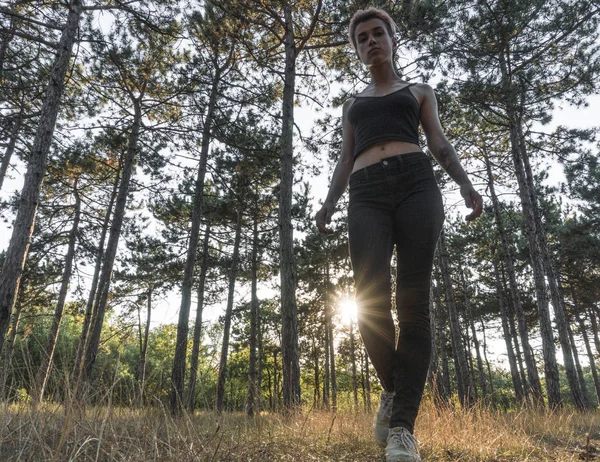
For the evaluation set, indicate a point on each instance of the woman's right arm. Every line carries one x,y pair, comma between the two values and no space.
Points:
341,173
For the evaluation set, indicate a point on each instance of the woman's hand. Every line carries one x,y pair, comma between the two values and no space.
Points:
324,218
473,201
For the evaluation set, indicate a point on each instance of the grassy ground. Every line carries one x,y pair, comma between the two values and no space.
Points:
109,434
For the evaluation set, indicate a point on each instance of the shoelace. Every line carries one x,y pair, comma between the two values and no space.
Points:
405,439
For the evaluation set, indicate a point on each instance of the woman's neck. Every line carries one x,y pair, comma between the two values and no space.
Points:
383,74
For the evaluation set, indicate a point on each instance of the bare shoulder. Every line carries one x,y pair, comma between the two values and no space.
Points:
423,92
346,106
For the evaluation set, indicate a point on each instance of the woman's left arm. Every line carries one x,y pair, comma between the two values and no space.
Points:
444,153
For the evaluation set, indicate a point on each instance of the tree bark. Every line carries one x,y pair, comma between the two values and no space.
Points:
507,259
594,322
433,373
191,396
144,349
259,361
18,247
289,311
10,148
588,347
558,299
327,368
316,374
178,373
512,360
228,313
330,346
353,360
93,341
48,356
481,374
550,364
469,360
462,369
87,317
443,381
367,382
253,390
514,122
580,376
487,362
10,348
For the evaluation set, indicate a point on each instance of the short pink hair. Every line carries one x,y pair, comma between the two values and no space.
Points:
365,15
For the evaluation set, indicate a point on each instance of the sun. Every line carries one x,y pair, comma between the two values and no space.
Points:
347,310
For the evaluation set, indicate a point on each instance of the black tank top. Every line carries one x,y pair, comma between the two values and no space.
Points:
392,117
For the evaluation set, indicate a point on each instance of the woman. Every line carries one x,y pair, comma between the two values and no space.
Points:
394,201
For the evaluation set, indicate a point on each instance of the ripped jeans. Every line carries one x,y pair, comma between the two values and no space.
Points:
395,202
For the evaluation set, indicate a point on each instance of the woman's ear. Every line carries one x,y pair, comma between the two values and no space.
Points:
394,44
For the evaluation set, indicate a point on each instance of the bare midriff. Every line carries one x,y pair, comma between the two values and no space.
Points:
382,150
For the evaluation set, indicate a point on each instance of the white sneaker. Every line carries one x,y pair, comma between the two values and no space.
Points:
381,428
401,446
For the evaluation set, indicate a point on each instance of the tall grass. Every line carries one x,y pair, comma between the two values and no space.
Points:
53,433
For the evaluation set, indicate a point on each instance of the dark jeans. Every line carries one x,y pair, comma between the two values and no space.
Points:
395,202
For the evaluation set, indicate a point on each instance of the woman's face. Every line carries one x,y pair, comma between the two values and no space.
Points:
373,43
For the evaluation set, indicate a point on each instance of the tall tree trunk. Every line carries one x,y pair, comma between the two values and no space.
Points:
48,356
10,148
259,361
548,348
7,35
275,382
228,313
580,376
191,396
462,369
588,347
507,259
353,361
469,309
558,300
367,382
487,362
512,360
289,312
433,373
469,359
594,322
18,247
253,390
178,373
326,380
316,373
10,348
87,317
443,381
93,341
144,349
550,364
331,345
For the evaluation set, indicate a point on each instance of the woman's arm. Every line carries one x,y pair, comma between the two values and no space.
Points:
444,153
341,173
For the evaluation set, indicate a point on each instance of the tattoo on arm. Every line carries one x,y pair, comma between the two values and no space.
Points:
448,159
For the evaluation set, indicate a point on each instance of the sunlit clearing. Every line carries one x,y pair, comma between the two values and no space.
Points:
348,311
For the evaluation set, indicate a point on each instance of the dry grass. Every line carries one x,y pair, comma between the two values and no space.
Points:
109,434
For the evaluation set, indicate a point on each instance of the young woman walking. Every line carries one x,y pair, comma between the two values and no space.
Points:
394,201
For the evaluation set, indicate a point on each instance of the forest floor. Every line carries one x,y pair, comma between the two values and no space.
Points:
48,433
